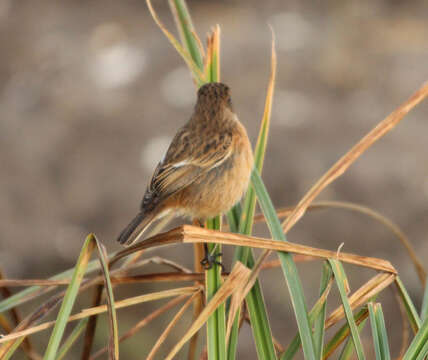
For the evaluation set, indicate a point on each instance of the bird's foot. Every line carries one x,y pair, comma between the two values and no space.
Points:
210,259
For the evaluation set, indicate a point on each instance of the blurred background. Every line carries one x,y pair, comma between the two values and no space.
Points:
91,93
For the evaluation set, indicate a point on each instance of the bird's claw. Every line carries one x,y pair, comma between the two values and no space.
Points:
210,259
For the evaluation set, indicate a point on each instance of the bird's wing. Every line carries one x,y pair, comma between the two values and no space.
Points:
187,158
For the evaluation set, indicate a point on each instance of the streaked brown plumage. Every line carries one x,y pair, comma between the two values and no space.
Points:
206,169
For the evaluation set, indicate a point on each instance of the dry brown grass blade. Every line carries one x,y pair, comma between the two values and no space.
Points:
344,162
209,55
173,236
242,291
193,234
31,282
155,229
170,326
158,277
89,336
165,276
345,334
142,323
238,276
375,215
372,287
27,347
103,308
31,319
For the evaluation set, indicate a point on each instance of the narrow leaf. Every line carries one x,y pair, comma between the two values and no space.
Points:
69,298
411,312
341,280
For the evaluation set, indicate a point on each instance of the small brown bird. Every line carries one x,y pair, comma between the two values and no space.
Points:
206,169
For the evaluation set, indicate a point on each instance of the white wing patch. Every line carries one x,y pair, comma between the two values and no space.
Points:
180,164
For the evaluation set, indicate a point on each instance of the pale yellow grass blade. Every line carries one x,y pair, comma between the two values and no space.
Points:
103,308
238,276
193,234
349,158
372,287
171,324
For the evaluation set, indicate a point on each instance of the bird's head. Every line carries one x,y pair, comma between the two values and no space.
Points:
213,94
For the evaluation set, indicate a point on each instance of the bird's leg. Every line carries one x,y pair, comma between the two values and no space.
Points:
211,258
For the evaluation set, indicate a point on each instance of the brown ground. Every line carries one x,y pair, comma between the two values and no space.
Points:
90,93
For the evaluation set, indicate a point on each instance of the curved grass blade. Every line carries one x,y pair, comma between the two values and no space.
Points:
412,314
195,70
187,31
114,337
341,280
288,267
69,298
256,306
354,153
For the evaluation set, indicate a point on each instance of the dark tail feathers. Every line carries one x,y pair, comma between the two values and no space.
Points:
135,228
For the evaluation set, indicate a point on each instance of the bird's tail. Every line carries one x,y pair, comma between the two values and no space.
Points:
136,227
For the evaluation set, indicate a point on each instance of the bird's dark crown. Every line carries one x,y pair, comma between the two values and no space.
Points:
214,89
214,92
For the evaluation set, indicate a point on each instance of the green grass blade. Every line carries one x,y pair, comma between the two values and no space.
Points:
267,207
343,333
316,314
259,320
233,217
233,337
348,349
424,309
194,68
114,337
288,266
418,345
69,298
185,26
423,353
71,339
257,310
412,314
383,337
375,331
319,330
13,348
340,277
216,324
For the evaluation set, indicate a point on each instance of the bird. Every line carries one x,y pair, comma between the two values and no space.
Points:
205,171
